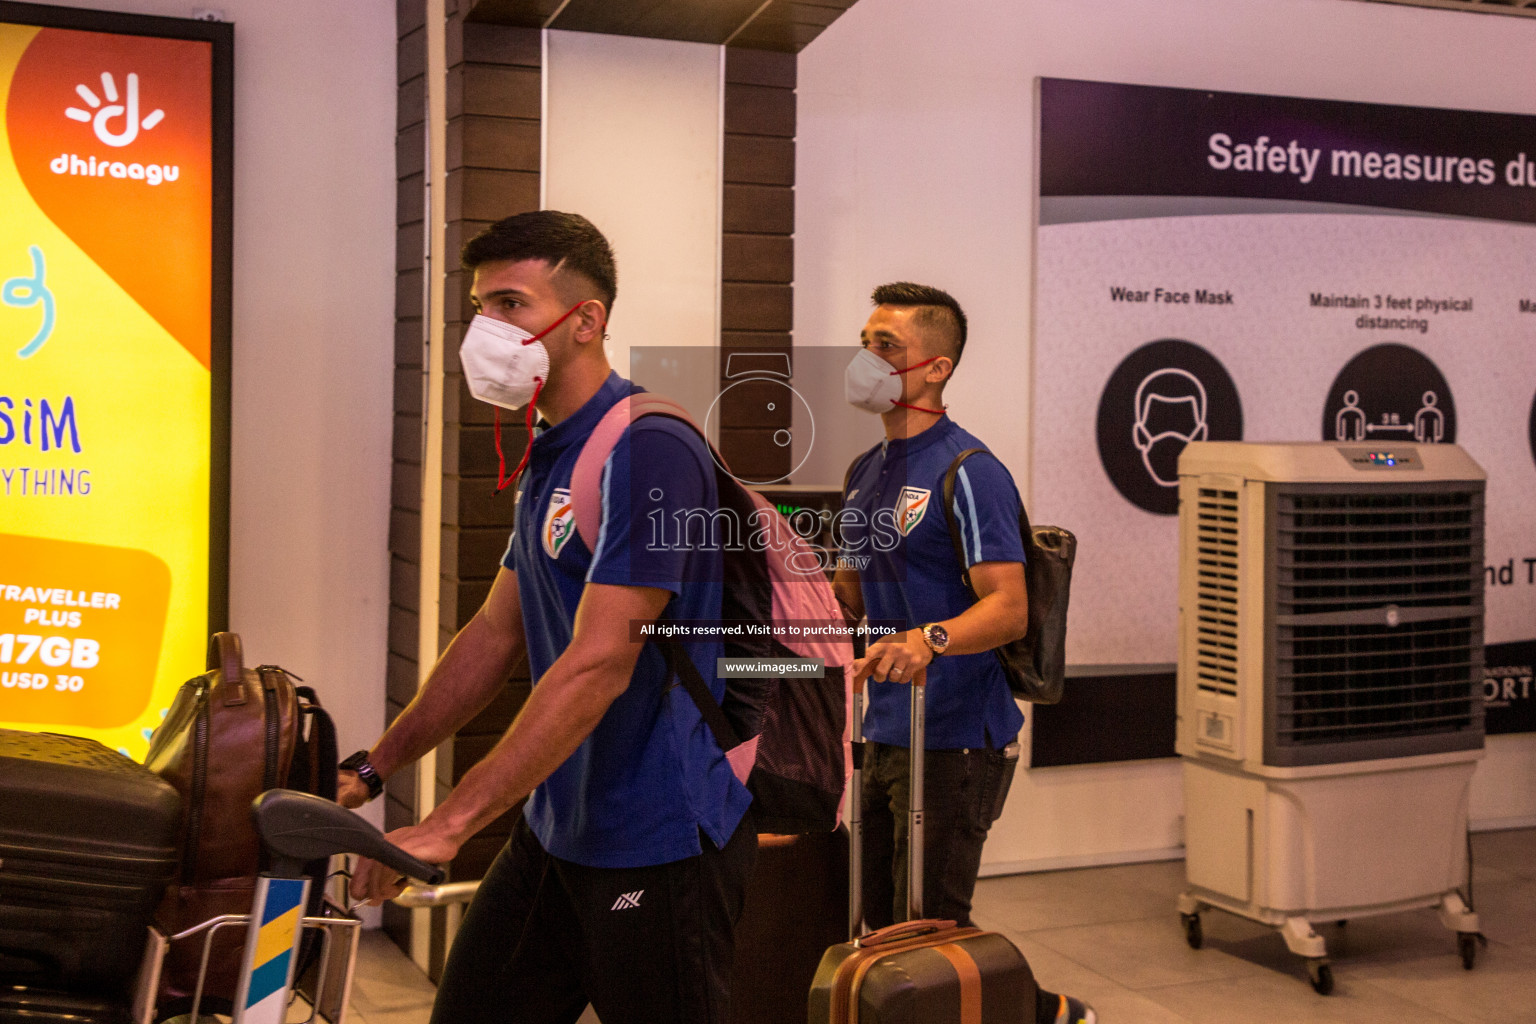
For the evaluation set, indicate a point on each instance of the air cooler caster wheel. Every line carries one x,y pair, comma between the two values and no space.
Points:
1466,945
1321,976
1193,934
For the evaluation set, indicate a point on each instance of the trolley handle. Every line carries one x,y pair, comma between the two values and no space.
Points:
298,827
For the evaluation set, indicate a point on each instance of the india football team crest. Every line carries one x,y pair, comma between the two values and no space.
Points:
911,507
559,521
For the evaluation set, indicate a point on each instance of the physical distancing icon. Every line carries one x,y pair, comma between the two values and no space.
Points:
1429,421
1428,426
1349,423
1390,393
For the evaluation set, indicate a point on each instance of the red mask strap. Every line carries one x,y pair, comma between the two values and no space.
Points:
914,366
502,480
904,405
563,318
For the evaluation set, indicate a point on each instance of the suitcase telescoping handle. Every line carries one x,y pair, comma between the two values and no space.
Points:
915,800
914,809
856,812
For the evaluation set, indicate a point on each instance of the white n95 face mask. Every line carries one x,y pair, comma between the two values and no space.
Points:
507,367
503,364
870,384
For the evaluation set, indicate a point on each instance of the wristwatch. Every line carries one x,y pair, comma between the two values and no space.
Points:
936,637
359,763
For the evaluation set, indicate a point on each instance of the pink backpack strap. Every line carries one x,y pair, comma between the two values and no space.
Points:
587,477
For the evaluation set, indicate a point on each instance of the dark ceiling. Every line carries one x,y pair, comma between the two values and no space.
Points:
784,25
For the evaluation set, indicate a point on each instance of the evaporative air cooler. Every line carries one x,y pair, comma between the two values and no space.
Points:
1329,685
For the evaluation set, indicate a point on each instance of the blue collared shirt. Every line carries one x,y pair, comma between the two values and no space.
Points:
650,776
913,578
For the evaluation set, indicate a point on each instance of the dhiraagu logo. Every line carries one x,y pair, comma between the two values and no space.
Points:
116,120
31,290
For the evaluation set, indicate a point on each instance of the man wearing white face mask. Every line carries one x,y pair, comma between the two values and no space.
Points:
622,881
911,345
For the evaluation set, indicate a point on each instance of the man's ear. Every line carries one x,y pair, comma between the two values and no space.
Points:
591,321
940,370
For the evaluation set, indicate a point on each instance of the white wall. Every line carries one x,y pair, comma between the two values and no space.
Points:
632,142
916,160
314,243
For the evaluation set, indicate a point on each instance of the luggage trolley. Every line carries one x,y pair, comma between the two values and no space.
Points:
295,828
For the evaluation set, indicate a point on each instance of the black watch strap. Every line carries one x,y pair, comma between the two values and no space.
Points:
359,763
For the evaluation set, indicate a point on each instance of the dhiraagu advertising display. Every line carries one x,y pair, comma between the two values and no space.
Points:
107,386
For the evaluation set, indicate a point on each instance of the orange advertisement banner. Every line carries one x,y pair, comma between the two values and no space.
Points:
80,628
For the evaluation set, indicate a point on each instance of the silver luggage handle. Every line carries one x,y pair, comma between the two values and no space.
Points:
915,800
914,809
856,815
437,895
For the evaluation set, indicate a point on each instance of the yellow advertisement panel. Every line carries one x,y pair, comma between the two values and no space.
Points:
106,393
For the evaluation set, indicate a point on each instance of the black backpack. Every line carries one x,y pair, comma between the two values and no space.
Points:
1036,663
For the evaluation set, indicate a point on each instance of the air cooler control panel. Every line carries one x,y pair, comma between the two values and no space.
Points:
1382,458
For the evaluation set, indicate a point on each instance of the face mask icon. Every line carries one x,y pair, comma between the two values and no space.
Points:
1170,413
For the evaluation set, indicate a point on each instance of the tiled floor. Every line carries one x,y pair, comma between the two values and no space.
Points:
1112,936
388,988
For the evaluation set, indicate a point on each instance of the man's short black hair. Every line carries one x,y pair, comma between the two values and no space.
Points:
939,308
566,241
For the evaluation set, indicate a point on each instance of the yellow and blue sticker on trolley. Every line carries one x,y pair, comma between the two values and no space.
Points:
271,949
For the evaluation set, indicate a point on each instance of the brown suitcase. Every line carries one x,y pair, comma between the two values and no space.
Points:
919,971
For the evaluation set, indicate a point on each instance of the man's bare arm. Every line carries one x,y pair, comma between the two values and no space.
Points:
1000,614
559,714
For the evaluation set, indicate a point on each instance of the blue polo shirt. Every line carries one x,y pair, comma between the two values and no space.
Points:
912,577
641,787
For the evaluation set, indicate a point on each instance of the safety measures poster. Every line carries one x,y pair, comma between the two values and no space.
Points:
1221,266
107,376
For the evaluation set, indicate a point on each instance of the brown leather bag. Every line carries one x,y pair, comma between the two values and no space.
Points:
230,735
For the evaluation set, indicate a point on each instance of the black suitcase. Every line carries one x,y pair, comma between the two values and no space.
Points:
919,971
88,842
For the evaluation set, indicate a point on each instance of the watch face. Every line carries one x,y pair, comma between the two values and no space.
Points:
937,636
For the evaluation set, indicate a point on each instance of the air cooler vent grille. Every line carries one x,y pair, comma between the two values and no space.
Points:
1216,602
1377,595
